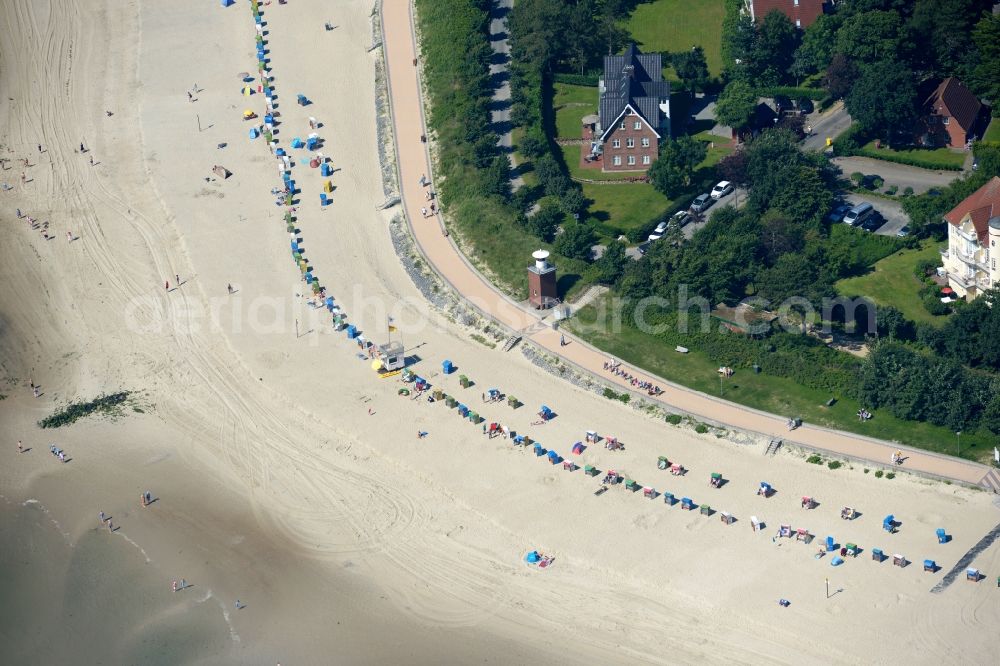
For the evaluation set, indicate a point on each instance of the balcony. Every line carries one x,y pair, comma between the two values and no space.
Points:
971,260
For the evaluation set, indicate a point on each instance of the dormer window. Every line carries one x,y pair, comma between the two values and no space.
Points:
622,126
946,120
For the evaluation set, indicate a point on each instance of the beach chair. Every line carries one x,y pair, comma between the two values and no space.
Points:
716,480
803,535
972,574
569,465
898,560
755,524
705,510
877,554
852,549
930,565
590,470
539,451
648,492
889,524
677,469
847,513
808,503
687,504
662,462
669,499
831,544
727,518
630,484
941,536
785,531
765,489
611,477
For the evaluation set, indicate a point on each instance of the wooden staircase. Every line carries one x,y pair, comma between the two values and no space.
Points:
511,341
991,481
772,447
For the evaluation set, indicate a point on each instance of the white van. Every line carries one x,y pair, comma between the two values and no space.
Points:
858,214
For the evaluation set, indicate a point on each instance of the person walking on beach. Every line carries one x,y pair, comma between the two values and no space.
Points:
238,604
111,528
190,98
102,516
20,447
178,279
34,390
69,236
142,500
166,285
91,160
19,213
229,288
39,148
174,586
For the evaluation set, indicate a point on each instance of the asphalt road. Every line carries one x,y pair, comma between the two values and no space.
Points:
500,113
831,123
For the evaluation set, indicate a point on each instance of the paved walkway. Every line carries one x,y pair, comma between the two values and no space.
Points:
500,78
449,262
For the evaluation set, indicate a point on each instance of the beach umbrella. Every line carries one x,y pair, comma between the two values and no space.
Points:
247,91
328,187
376,365
946,290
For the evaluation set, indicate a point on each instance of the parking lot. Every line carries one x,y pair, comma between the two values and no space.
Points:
891,211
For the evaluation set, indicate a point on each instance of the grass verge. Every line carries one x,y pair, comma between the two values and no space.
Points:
677,25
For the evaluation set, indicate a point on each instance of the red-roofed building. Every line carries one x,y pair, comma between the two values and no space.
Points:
951,113
971,258
803,13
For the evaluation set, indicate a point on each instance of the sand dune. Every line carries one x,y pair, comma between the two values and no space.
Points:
341,531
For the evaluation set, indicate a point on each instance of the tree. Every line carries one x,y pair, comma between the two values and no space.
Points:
870,37
673,169
890,322
546,220
692,67
942,28
883,101
773,49
985,80
575,241
738,36
532,145
791,275
496,178
573,201
816,50
780,235
550,175
840,76
612,263
733,167
736,105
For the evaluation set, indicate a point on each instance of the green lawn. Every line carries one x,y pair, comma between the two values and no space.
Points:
993,131
892,282
676,25
571,104
929,158
776,395
621,208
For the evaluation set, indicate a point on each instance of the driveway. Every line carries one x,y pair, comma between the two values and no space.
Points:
738,198
499,75
895,218
900,175
829,124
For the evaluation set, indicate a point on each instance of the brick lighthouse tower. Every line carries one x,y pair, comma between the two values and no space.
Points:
542,281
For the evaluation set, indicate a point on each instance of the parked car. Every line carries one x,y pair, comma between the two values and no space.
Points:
681,218
857,215
661,228
904,231
838,213
722,189
654,237
873,221
702,202
643,247
805,105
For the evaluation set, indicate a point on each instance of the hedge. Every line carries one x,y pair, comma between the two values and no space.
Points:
903,159
577,79
793,92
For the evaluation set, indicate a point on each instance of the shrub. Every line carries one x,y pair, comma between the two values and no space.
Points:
834,464
934,305
876,182
890,475
879,473
907,191
857,178
577,79
673,419
924,268
701,428
105,404
909,160
867,470
892,189
815,459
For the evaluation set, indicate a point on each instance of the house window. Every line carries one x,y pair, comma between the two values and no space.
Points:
946,120
618,160
645,159
622,126
798,23
645,142
617,143
637,125
630,142
796,3
631,159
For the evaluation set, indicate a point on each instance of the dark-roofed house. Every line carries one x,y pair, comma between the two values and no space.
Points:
634,111
972,258
951,113
803,13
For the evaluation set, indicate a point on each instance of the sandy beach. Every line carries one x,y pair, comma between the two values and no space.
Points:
288,476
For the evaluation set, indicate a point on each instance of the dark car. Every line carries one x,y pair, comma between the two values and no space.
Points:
874,221
702,202
838,213
805,105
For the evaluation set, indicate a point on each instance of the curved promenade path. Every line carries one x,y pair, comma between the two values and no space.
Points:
441,252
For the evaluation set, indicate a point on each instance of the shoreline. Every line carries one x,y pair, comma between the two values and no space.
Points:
288,475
